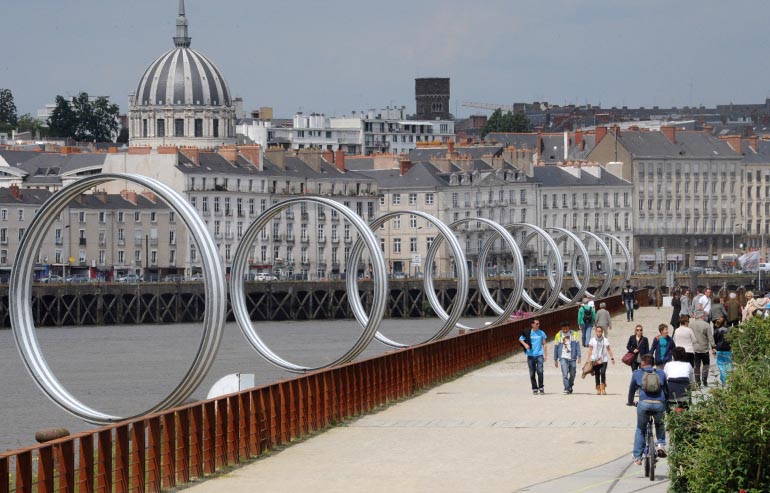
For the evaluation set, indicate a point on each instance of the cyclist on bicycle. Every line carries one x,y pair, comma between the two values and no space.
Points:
653,392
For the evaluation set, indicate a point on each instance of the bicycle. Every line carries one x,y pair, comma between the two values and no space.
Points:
649,454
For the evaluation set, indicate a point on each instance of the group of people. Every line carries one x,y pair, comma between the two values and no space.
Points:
568,345
664,370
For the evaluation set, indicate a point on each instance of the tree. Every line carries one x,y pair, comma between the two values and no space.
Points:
28,123
7,108
63,120
85,120
508,122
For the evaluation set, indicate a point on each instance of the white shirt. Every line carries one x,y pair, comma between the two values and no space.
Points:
599,354
705,301
684,337
679,369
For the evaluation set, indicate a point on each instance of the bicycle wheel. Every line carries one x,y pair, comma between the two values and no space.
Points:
653,454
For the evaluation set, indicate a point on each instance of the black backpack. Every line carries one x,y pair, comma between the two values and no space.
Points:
588,315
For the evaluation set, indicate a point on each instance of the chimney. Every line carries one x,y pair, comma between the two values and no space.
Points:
579,139
129,196
616,131
150,196
339,160
101,196
167,150
328,156
451,151
230,153
539,149
192,153
312,158
670,133
753,142
404,166
15,192
135,150
277,156
252,154
734,141
601,132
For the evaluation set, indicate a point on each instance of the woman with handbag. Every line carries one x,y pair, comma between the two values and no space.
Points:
639,346
600,353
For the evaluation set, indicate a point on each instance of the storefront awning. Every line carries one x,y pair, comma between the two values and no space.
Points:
647,257
702,257
729,256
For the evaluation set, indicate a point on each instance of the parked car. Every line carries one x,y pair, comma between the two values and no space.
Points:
128,278
52,278
78,278
173,278
265,277
709,270
196,277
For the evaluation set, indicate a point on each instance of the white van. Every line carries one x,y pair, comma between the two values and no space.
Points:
764,267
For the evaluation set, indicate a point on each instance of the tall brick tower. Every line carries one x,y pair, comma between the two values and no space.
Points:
432,98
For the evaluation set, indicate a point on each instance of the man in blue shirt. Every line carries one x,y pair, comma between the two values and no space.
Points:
652,400
536,349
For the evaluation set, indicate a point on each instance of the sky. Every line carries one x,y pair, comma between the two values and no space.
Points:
337,56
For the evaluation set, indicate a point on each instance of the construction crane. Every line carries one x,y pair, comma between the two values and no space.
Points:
490,107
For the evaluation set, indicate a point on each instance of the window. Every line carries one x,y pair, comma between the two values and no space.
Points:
121,234
215,127
199,127
396,245
137,217
205,205
193,253
216,205
160,128
154,217
429,199
412,221
396,199
179,127
102,256
121,257
455,199
4,214
397,222
413,245
171,216
412,199
154,257
172,237
4,236
81,216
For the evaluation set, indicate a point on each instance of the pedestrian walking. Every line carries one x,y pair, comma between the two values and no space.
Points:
603,317
684,337
676,304
566,352
717,310
685,304
536,348
600,354
681,378
586,318
639,345
629,295
723,351
751,306
704,344
658,298
734,310
703,303
662,347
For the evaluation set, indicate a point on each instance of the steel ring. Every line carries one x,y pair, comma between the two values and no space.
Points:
605,287
20,292
579,245
481,274
462,283
539,232
370,324
626,255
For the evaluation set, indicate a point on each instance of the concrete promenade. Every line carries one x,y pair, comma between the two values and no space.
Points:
483,432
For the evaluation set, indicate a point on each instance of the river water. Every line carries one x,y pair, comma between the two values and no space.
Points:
123,370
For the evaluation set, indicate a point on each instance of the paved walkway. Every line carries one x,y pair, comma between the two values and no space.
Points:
483,432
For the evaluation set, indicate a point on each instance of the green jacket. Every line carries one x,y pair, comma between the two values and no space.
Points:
580,315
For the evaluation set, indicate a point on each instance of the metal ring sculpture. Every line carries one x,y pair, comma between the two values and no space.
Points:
20,291
370,324
582,286
462,280
626,255
216,297
605,287
481,271
559,272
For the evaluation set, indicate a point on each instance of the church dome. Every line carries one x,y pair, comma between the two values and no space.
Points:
182,77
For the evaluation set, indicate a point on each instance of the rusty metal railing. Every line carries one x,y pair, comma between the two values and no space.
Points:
169,449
